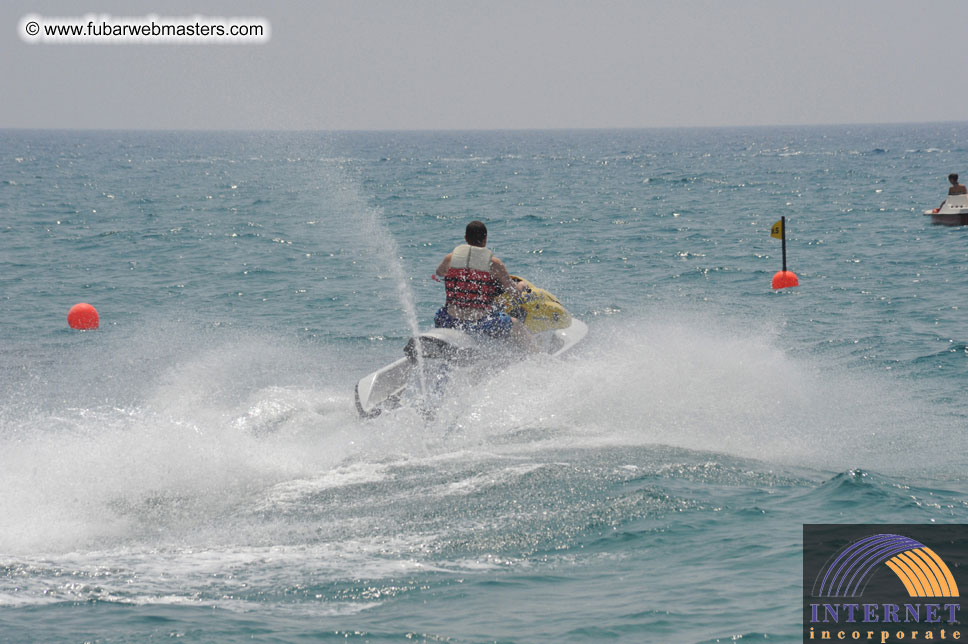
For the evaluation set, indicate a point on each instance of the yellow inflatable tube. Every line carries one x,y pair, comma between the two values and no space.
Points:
540,309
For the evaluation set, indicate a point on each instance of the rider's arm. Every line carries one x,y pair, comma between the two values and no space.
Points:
444,265
501,273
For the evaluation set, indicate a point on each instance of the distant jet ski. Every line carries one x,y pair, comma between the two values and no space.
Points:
953,212
441,350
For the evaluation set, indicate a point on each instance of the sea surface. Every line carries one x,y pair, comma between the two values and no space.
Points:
195,470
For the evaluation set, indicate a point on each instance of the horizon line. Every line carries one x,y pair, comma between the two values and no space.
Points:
475,129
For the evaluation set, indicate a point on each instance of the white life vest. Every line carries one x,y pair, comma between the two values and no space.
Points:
469,282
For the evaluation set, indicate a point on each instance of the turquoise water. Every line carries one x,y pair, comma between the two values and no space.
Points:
195,469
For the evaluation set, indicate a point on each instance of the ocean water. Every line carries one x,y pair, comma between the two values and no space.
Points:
195,469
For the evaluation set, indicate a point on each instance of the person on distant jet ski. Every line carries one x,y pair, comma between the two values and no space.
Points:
955,189
473,277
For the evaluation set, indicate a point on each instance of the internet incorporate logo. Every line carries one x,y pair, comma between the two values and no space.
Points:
918,567
888,569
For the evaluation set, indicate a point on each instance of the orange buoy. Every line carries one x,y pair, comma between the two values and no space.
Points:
785,279
83,316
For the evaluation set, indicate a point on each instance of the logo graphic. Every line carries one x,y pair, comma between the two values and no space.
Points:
919,568
883,583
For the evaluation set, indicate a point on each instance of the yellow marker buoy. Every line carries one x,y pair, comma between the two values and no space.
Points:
784,278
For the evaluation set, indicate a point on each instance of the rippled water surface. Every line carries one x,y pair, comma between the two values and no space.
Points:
195,469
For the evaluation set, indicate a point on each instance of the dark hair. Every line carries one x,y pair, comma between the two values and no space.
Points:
953,177
476,233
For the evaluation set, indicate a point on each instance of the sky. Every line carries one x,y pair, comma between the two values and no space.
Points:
495,64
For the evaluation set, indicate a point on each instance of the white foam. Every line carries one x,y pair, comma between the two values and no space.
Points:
189,444
294,491
478,482
228,429
710,384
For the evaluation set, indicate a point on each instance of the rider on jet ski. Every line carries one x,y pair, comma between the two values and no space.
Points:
473,277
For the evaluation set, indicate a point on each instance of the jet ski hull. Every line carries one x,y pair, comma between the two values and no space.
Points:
953,212
948,218
385,388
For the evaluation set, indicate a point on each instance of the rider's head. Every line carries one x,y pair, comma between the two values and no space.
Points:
953,178
476,233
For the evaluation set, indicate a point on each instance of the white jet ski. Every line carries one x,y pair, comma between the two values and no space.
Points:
553,329
953,212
